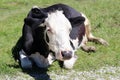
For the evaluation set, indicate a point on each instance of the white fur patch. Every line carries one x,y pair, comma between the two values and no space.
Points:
25,62
35,7
68,64
42,25
86,20
51,58
75,43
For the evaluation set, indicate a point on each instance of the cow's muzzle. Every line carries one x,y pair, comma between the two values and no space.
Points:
66,55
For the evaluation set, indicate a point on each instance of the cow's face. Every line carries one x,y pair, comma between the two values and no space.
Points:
58,29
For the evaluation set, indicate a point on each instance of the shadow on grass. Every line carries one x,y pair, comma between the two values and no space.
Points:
36,72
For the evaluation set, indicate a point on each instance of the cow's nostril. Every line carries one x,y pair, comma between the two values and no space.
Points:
66,54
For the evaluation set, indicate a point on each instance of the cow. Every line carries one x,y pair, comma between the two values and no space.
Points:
54,33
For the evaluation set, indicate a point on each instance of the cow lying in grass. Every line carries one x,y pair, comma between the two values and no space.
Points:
53,33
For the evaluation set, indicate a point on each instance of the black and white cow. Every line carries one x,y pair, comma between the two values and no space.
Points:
53,33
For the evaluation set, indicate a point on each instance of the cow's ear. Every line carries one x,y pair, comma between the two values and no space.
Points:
77,20
38,13
33,22
35,9
28,21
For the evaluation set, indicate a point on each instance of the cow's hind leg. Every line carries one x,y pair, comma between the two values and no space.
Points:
86,48
41,61
97,40
89,35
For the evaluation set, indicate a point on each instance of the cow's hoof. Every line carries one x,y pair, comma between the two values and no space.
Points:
103,42
88,48
26,63
91,49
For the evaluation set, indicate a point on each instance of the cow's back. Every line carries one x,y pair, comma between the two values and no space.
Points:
69,12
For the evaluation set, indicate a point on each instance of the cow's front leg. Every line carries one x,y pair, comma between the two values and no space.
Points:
68,64
86,48
41,61
24,60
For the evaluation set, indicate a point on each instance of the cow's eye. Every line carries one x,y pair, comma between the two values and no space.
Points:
49,29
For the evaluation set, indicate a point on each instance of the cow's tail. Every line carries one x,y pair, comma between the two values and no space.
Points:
15,50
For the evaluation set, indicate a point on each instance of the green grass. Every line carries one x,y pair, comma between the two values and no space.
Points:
105,20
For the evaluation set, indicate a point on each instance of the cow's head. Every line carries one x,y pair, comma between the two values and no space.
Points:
58,29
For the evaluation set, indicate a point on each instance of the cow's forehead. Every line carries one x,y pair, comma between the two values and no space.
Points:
57,20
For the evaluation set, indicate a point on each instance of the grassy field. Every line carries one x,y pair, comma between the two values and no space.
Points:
105,20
